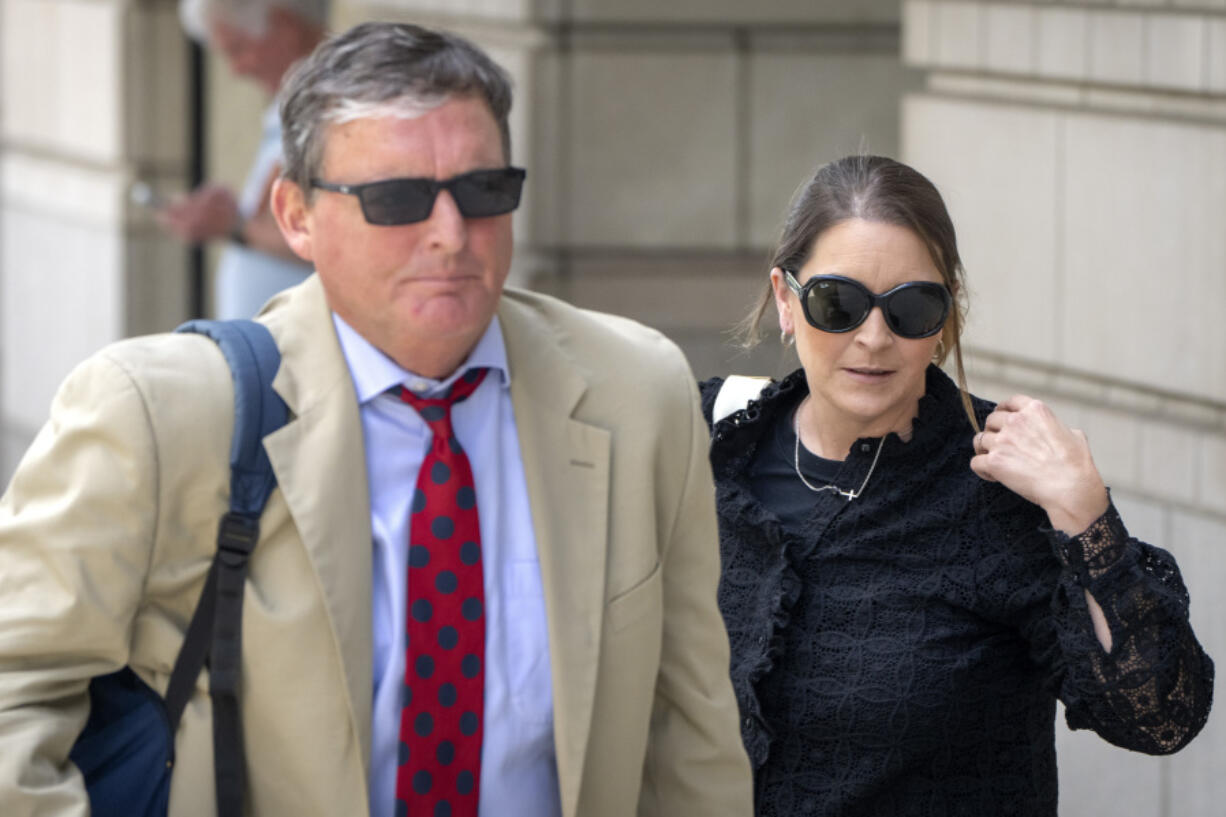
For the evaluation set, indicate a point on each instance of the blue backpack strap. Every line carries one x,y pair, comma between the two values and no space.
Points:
215,632
258,410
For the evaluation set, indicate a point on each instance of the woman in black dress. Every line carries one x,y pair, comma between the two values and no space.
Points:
912,576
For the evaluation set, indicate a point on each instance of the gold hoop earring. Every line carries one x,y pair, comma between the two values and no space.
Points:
786,338
940,352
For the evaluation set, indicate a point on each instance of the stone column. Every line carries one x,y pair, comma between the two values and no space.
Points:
663,140
1081,147
93,97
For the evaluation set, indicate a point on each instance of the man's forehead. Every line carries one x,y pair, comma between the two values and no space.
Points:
470,130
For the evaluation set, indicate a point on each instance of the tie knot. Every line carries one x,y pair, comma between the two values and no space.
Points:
436,411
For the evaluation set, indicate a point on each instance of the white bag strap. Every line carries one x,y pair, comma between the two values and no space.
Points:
735,394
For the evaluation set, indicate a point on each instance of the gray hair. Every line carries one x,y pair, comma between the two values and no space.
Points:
388,68
250,16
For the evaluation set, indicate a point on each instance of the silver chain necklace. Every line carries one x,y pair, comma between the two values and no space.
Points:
832,487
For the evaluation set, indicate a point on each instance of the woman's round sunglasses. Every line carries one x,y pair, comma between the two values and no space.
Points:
832,303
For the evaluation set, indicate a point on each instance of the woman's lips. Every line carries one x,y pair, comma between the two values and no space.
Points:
868,374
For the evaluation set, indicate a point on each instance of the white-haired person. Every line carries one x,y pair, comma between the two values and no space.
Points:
260,40
911,576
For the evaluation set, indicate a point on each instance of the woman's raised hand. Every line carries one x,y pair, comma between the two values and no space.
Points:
1026,448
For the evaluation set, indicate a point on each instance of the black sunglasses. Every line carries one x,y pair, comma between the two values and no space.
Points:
832,303
478,194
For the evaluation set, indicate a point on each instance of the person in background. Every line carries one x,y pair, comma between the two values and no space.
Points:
260,40
485,583
913,576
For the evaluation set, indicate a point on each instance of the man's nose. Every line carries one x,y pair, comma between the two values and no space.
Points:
448,229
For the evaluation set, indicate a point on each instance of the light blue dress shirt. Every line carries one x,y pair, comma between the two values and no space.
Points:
518,765
246,278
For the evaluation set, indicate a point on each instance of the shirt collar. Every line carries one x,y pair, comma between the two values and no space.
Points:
374,372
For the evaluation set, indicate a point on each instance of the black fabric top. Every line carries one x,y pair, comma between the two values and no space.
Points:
901,654
772,473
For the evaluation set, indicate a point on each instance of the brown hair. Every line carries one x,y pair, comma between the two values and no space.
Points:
872,188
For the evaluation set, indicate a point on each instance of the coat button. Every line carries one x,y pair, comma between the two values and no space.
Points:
865,447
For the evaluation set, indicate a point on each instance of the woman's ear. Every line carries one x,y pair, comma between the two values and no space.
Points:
783,302
293,215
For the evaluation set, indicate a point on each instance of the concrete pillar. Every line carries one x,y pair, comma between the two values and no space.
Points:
1081,148
93,98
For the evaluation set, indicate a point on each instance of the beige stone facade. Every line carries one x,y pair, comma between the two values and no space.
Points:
92,95
1082,150
1081,147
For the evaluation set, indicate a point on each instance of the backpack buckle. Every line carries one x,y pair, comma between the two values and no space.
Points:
236,536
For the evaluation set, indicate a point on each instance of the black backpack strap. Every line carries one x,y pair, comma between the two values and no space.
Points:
215,632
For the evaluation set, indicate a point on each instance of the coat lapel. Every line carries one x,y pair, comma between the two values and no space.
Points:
319,461
566,466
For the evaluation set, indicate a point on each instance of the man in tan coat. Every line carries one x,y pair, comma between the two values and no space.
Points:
604,685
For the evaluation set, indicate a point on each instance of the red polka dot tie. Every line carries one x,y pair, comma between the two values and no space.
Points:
444,678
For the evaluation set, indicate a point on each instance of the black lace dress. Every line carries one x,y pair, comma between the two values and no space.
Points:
902,654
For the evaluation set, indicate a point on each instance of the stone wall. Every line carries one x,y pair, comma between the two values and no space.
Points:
92,97
1082,150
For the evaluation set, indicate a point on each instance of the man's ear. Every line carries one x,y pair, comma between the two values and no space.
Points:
293,215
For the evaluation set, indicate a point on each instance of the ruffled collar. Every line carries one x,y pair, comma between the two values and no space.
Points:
939,416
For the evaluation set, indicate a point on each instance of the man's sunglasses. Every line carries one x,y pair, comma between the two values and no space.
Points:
832,303
478,194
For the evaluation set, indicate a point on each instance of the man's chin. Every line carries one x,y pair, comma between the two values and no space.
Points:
449,319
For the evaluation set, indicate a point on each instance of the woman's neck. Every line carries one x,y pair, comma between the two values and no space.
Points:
829,433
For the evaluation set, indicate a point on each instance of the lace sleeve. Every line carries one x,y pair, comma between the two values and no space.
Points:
1153,691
